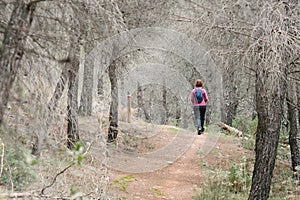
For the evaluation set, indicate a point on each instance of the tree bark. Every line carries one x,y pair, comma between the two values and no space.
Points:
58,92
100,90
165,117
72,102
208,114
77,31
12,49
52,105
177,112
150,115
298,102
141,104
86,101
292,97
292,117
72,107
113,111
270,96
269,112
139,100
230,95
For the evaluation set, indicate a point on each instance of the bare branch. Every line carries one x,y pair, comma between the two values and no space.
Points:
294,78
294,72
31,3
54,179
2,159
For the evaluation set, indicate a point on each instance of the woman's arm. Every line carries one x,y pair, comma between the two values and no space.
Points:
192,97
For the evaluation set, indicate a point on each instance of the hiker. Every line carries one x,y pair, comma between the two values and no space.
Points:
199,98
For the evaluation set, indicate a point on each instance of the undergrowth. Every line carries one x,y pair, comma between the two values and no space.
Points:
234,183
248,127
18,170
18,166
123,182
226,184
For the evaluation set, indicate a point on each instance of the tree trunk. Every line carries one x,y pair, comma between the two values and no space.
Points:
298,102
186,116
270,107
72,102
52,105
269,112
100,90
292,117
77,32
123,93
208,114
165,117
12,48
139,100
86,101
292,95
230,95
113,111
177,112
72,107
150,115
141,104
58,92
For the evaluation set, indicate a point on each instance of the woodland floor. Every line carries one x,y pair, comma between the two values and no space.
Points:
182,174
147,162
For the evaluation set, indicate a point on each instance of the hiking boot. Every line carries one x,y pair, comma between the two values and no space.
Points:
202,130
199,132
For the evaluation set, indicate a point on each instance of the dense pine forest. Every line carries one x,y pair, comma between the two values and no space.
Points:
95,96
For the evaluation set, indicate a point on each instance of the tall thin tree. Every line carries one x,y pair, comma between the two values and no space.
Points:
293,125
271,87
113,111
13,47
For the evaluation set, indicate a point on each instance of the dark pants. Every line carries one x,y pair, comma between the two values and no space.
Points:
199,112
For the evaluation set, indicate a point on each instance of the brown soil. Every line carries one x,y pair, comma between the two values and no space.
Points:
180,178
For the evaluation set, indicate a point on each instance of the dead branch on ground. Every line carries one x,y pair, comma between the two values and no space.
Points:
230,129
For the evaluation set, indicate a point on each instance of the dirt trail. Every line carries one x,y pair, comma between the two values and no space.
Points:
178,179
132,160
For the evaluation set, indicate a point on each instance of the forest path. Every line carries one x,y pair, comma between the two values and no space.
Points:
138,155
176,181
179,179
164,162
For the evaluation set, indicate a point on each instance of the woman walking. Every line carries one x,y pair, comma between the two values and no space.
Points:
199,98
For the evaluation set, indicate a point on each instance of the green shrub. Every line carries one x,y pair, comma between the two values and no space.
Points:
18,170
231,184
248,127
123,182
